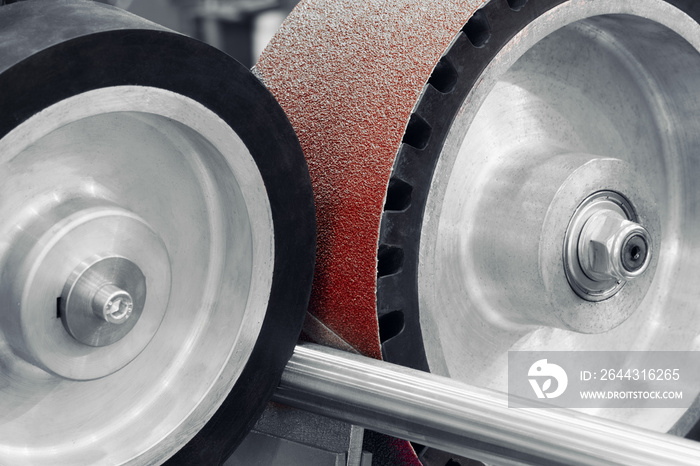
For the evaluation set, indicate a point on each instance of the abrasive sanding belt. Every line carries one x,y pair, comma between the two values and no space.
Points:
348,74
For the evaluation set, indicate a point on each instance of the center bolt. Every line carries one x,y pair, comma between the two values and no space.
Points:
102,301
605,246
112,304
613,247
635,253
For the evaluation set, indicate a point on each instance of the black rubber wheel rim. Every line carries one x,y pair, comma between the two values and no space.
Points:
51,51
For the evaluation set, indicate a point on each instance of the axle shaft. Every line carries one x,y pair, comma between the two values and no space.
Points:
470,421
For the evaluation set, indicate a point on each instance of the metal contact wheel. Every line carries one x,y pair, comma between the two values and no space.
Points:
562,194
157,241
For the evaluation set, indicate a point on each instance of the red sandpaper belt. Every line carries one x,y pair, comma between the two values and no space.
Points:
348,73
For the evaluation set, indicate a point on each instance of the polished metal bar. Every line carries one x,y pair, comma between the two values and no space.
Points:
462,419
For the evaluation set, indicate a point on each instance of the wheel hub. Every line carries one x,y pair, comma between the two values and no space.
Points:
69,258
604,246
100,304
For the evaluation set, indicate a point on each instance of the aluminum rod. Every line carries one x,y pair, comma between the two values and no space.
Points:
462,419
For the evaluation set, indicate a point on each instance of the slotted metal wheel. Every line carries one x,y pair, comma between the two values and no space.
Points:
157,241
478,140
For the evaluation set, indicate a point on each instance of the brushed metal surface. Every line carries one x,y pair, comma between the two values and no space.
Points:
463,419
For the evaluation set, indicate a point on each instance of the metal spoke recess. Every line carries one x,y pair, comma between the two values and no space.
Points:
563,205
140,252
